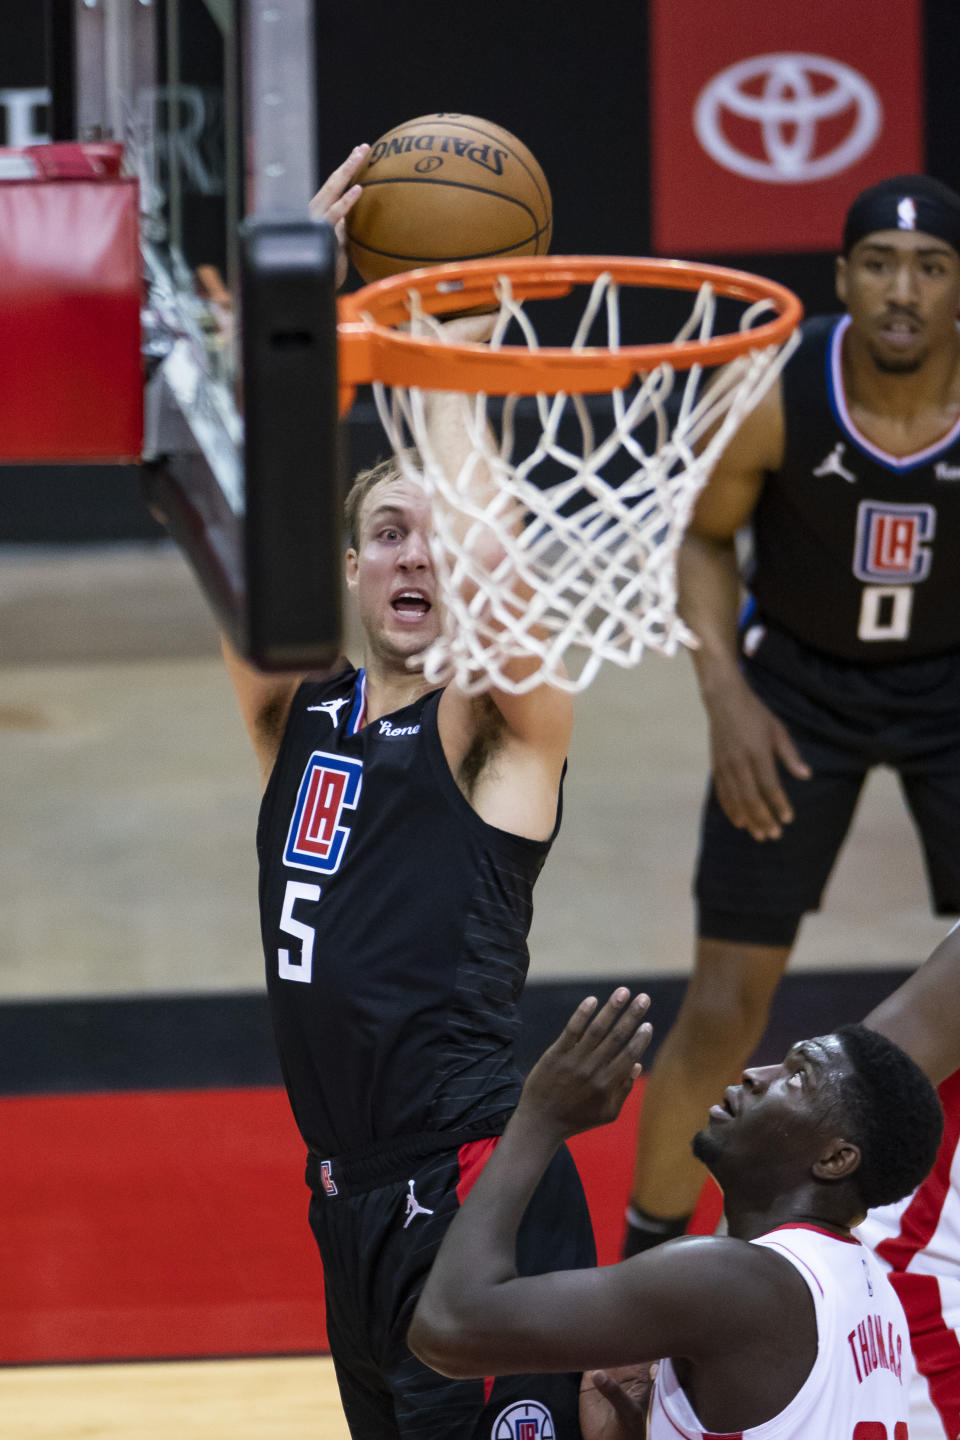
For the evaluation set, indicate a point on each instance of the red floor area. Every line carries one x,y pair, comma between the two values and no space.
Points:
175,1223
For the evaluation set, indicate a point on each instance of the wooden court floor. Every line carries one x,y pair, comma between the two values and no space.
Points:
288,1399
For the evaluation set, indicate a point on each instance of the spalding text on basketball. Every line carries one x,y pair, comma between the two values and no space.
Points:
486,155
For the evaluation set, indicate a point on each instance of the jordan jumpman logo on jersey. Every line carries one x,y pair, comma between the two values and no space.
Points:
833,464
330,707
414,1207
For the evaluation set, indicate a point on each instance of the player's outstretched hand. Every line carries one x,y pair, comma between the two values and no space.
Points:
585,1076
336,197
748,744
614,1403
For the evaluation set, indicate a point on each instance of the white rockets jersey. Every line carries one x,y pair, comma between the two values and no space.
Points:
918,1242
858,1386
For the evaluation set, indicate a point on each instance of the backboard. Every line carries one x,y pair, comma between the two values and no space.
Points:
213,100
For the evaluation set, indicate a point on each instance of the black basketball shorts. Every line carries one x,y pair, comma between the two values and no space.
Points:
844,718
377,1238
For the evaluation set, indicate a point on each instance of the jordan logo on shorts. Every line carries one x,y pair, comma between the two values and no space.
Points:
414,1207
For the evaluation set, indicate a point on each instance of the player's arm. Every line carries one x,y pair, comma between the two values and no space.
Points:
747,741
264,702
336,198
921,1015
536,726
477,1317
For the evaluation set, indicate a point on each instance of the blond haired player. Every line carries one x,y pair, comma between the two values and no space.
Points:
401,830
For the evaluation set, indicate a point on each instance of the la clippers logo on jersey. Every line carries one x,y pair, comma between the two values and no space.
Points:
317,836
891,541
524,1420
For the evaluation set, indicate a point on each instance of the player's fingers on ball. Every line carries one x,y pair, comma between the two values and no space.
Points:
337,210
338,179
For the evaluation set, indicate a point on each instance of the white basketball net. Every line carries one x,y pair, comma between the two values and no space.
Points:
585,569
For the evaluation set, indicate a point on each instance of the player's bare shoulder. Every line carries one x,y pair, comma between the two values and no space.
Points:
755,450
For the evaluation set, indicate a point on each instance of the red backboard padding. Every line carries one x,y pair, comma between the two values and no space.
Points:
71,384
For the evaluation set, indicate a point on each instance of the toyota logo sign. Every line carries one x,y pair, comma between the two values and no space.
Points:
796,103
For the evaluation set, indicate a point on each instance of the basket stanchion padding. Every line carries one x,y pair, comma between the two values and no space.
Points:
71,386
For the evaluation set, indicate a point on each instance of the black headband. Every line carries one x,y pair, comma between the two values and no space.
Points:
905,202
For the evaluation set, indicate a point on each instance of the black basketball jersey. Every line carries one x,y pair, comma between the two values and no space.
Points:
394,924
856,552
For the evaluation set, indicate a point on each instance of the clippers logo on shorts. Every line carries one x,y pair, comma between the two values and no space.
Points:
524,1420
891,541
326,1178
316,838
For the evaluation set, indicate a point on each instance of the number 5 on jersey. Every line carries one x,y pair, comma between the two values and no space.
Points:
301,968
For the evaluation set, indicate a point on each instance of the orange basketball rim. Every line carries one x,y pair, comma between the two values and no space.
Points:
372,348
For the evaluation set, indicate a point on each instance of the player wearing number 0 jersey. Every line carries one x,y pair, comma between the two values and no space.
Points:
855,549
847,656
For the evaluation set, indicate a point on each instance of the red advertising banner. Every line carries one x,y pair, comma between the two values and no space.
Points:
768,119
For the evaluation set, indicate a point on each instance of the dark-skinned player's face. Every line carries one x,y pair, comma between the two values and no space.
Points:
776,1119
902,289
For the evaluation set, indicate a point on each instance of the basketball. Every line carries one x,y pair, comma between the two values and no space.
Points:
447,187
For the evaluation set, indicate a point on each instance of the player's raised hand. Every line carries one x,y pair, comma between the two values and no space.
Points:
336,197
585,1076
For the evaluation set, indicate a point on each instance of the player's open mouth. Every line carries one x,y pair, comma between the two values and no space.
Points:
411,605
723,1111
